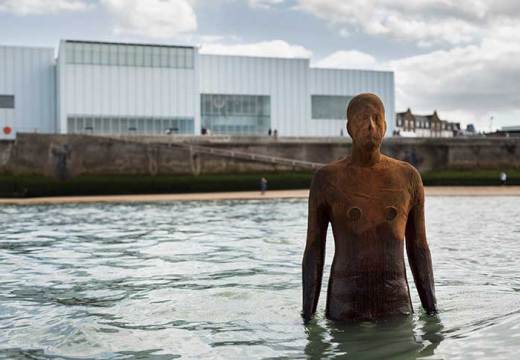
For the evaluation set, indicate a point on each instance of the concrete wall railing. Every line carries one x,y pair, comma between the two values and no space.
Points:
72,155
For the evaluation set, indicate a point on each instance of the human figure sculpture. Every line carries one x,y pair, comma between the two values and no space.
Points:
373,203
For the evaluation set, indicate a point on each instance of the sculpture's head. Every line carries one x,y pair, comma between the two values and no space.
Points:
366,120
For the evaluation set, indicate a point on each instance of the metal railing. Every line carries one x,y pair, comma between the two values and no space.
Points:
251,157
242,155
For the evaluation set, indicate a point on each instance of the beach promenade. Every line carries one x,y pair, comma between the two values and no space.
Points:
248,195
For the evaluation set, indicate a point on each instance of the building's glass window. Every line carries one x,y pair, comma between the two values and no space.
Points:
139,55
172,58
105,55
76,53
165,58
236,114
89,124
96,54
329,107
113,55
87,53
123,56
147,56
156,57
97,126
69,54
189,59
181,58
139,125
105,127
129,55
6,101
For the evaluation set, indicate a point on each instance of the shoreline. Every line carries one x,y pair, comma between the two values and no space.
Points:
246,195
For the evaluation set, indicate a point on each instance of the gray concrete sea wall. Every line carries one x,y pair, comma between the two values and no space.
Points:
66,156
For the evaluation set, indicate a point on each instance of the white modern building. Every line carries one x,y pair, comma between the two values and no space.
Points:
118,88
27,90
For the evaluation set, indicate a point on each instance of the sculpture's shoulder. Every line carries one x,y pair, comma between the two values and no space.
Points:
330,170
402,168
325,176
408,176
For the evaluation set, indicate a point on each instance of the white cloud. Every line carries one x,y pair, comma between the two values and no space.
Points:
349,59
477,78
264,3
152,18
470,74
274,48
211,38
425,22
467,83
41,7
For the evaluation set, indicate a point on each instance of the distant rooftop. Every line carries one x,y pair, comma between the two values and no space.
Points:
510,128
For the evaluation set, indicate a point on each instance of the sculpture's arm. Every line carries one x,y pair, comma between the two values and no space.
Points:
418,251
314,256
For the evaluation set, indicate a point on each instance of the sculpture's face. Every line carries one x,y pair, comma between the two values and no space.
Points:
367,126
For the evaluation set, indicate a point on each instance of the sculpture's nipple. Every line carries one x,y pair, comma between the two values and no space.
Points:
354,213
390,213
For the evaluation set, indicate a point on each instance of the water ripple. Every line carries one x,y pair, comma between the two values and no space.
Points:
222,280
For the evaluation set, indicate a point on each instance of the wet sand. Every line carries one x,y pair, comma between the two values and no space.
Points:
249,195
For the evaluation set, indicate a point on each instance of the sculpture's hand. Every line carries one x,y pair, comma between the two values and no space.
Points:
314,256
418,251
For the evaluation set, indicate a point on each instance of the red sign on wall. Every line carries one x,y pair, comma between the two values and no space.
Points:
7,130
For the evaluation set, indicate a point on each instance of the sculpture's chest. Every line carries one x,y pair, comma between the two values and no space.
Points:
367,201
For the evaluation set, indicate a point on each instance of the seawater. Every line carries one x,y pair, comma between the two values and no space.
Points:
222,280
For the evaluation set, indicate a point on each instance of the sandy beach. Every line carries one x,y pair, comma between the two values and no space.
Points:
248,195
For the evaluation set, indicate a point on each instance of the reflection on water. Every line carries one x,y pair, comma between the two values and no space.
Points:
405,338
223,280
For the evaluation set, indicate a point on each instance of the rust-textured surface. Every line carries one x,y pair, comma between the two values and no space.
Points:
375,205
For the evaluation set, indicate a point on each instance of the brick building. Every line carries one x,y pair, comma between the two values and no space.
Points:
424,125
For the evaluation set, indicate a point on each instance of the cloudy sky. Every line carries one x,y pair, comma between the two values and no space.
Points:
456,56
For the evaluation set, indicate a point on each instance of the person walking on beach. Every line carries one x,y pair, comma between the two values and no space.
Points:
263,185
503,178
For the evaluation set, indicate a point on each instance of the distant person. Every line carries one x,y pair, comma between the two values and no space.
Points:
341,133
263,185
413,158
503,178
275,134
203,131
269,132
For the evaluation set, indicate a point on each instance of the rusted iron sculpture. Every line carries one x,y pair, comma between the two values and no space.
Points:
373,203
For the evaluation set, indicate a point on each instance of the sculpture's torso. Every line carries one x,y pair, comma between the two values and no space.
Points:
368,210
